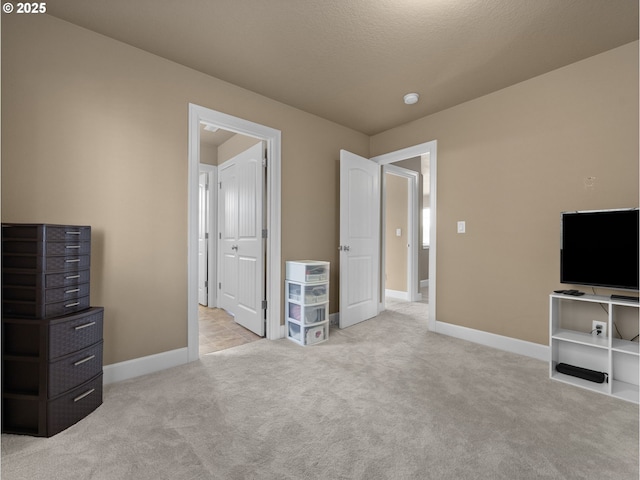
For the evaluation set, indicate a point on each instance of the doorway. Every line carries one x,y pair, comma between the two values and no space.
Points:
271,137
424,243
400,229
360,240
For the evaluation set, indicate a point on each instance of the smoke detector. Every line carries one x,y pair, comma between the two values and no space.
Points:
411,98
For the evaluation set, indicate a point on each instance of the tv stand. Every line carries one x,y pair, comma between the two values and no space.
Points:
573,341
624,297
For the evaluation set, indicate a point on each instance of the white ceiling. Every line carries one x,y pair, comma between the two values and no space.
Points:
351,61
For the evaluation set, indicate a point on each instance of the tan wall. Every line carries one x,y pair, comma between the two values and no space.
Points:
396,204
95,132
234,146
508,164
208,154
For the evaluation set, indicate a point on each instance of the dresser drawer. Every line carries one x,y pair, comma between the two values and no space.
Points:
47,310
41,280
74,369
75,332
13,247
51,295
39,263
46,232
73,406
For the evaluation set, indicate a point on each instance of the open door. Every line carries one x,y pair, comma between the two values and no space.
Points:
359,238
241,246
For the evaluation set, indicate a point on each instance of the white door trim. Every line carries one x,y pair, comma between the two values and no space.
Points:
212,244
412,233
272,137
415,151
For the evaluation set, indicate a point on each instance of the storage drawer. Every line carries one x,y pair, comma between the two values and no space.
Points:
45,248
307,294
41,280
314,335
47,310
46,232
73,406
75,332
308,335
307,271
38,263
29,294
307,314
74,369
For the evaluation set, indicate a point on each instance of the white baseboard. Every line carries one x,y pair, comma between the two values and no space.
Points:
508,344
397,294
117,372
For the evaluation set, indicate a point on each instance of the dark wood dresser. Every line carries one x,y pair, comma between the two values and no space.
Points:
51,336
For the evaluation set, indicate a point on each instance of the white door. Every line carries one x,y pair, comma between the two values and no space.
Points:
203,233
359,238
241,247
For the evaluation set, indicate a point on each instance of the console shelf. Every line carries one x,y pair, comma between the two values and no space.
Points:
573,342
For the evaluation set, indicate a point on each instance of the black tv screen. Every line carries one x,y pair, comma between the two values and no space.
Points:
600,248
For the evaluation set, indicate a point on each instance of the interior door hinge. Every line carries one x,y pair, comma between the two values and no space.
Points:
264,304
206,236
265,233
206,284
220,185
219,286
264,160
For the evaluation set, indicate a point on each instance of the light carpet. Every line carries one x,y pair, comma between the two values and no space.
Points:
385,399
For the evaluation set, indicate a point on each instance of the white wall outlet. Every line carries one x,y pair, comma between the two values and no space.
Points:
462,226
599,328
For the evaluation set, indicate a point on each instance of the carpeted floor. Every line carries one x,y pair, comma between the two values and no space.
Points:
384,399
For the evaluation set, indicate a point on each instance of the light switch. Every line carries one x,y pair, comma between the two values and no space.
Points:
398,232
462,226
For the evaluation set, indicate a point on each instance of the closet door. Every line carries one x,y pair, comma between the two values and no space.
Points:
241,246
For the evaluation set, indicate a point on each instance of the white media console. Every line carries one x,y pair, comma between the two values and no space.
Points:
572,341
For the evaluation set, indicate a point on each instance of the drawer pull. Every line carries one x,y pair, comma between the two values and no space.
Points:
74,290
74,260
72,233
80,327
84,360
85,394
72,246
75,304
71,277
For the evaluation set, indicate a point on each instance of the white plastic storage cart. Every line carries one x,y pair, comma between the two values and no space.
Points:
307,301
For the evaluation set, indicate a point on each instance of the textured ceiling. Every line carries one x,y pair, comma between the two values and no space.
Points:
351,61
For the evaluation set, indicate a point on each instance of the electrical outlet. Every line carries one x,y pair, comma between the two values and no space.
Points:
598,328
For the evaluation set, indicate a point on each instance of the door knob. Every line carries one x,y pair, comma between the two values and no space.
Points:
234,247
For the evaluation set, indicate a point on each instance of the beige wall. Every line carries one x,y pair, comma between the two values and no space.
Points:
396,205
508,164
208,154
95,132
234,146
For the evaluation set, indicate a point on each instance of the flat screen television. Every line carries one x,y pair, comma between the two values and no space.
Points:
600,248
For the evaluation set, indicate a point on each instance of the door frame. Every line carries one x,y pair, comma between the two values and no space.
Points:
412,232
212,244
272,137
430,148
